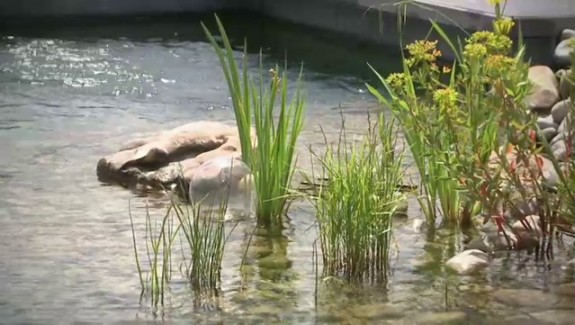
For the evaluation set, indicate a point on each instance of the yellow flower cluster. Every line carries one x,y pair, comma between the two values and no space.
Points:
422,52
445,99
503,26
499,65
494,43
396,81
474,51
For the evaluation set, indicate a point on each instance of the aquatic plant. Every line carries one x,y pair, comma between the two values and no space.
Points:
159,255
205,238
467,124
272,160
201,230
355,209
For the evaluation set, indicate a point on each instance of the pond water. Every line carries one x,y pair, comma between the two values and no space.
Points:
71,94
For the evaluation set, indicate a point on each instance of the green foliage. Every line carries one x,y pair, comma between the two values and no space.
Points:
204,233
467,124
202,236
355,209
159,255
272,160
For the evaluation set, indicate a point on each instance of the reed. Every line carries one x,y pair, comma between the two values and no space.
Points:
277,120
355,209
201,231
159,256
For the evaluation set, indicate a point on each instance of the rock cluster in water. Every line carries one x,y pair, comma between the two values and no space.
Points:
203,156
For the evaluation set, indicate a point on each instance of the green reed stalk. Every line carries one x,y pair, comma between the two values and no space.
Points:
355,209
430,146
159,250
203,228
273,159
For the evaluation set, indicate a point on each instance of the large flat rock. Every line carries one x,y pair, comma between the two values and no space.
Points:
169,157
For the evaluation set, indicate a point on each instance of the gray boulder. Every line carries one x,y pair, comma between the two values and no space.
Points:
560,110
548,133
545,92
558,144
546,122
562,55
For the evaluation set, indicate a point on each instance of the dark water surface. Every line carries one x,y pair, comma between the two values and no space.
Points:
70,94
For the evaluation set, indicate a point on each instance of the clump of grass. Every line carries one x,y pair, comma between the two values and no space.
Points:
201,230
272,160
355,209
205,239
159,256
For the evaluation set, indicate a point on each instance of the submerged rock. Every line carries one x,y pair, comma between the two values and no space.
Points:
545,91
468,261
